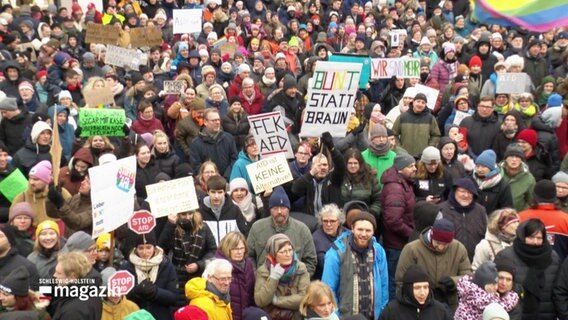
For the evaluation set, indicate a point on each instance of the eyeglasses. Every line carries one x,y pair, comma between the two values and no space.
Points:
329,221
285,251
239,249
302,153
224,279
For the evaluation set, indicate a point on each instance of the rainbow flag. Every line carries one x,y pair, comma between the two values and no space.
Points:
533,15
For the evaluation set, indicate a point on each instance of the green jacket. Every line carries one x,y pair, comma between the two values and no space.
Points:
379,163
416,131
522,185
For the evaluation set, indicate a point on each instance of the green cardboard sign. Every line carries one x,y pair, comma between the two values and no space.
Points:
101,122
14,184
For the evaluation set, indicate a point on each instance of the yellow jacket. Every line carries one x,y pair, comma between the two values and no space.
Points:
215,308
118,311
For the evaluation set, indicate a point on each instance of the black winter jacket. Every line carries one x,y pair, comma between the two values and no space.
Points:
12,131
222,150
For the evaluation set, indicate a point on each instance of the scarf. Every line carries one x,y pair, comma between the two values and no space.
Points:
268,82
117,89
537,258
489,181
363,279
187,245
147,268
226,297
312,315
505,237
248,209
318,186
379,149
250,99
289,270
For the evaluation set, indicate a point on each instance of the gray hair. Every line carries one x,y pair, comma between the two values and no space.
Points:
334,210
217,265
247,82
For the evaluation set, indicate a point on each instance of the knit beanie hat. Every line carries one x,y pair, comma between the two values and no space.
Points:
486,273
364,215
466,184
42,171
107,158
403,160
506,220
78,241
26,85
528,135
16,282
430,154
64,94
278,198
560,176
8,104
104,241
106,273
148,238
141,314
443,231
507,268
421,96
460,98
487,158
475,61
289,82
377,130
190,313
515,150
495,311
552,117
415,273
38,128
238,183
243,68
276,242
21,209
45,225
253,313
544,191
207,69
554,100
425,214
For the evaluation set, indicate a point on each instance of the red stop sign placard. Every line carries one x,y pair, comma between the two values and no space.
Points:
120,283
142,222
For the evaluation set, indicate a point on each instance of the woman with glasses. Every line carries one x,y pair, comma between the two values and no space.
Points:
282,281
233,247
331,220
359,181
191,242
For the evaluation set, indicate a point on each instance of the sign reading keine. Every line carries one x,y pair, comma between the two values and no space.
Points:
270,172
332,92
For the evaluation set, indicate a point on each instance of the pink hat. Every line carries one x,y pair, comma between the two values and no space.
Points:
21,209
26,85
42,171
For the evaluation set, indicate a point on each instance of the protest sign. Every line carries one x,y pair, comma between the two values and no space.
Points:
270,134
268,173
83,3
145,37
112,194
386,68
14,184
228,48
365,62
104,34
56,151
173,86
431,94
187,20
172,196
99,96
331,96
122,57
101,122
460,115
513,83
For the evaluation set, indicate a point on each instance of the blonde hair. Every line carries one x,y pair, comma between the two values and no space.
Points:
197,225
74,264
498,215
315,293
89,142
231,241
157,135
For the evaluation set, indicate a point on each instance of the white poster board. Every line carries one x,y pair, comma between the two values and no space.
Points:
112,194
172,196
187,20
173,86
512,83
460,115
122,57
431,94
268,173
270,134
386,68
332,92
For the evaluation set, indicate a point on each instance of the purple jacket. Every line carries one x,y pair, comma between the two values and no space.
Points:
242,286
397,206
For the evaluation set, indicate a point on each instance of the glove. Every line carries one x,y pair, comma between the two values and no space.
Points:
146,290
78,132
274,300
327,140
125,129
359,128
276,272
55,197
448,283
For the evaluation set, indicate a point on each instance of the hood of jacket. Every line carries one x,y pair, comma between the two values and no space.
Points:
538,125
444,141
84,154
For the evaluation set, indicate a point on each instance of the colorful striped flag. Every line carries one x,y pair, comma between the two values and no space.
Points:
533,15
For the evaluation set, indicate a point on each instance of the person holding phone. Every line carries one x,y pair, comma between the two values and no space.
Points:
433,181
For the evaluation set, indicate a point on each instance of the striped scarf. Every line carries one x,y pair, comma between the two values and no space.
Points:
363,280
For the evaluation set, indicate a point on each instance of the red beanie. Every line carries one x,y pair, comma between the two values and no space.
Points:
528,135
40,74
190,313
475,61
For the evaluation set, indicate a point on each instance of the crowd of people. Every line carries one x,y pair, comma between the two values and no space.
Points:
447,209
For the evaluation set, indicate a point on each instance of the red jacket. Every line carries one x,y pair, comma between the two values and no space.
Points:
556,222
141,126
235,87
255,106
